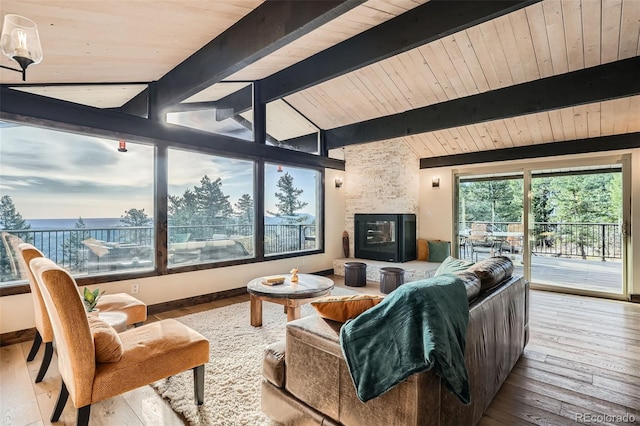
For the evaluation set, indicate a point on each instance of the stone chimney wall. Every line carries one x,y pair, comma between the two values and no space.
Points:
380,177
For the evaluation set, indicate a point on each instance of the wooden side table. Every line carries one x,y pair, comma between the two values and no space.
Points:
291,295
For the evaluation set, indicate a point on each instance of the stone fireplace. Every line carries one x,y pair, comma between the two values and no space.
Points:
386,237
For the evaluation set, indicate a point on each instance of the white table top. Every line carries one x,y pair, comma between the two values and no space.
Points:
506,234
307,286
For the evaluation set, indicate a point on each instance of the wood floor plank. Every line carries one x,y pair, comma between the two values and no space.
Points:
590,369
150,409
565,396
19,405
528,413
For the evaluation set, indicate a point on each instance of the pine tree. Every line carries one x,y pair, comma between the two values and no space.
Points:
72,253
213,206
11,221
288,197
9,218
205,205
244,208
183,209
135,218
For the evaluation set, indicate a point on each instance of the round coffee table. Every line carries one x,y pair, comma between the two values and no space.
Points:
291,295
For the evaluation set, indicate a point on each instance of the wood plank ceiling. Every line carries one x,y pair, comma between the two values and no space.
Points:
139,42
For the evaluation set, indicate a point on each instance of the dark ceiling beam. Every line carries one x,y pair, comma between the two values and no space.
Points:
106,83
264,30
579,146
236,101
431,21
305,143
38,110
596,84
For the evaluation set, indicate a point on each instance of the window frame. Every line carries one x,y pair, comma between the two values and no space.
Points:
160,200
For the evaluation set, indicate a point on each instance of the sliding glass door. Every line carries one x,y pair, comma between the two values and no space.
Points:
562,223
576,239
490,217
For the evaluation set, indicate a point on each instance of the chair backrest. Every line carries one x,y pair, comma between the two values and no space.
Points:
478,232
74,341
515,227
27,252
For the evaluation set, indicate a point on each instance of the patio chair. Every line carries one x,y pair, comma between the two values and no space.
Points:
515,242
480,240
95,363
135,310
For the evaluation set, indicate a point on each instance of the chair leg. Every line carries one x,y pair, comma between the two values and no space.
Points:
138,324
48,353
35,346
83,415
198,383
62,401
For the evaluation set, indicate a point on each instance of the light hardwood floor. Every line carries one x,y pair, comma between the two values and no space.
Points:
583,359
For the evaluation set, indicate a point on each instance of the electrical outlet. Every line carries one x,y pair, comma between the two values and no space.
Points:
135,288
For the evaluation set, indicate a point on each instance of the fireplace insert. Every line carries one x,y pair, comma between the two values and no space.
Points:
388,237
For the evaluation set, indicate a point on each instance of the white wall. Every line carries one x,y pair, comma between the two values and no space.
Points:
16,312
436,204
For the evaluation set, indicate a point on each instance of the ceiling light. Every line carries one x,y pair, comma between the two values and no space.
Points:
20,42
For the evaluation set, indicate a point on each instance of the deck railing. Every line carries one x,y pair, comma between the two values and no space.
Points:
133,246
584,240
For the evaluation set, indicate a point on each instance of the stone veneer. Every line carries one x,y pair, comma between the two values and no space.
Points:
380,177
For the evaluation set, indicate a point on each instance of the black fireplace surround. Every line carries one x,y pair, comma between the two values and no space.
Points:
388,237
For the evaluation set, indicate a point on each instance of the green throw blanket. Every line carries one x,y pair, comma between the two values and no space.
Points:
420,326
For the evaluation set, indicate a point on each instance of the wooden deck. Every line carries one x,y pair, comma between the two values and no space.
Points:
574,273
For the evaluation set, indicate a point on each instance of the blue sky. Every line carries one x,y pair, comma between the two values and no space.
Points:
51,174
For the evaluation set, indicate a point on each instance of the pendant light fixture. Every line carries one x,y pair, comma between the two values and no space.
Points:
20,41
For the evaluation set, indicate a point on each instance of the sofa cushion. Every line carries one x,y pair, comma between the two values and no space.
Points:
471,284
343,308
492,271
439,250
452,265
105,339
423,250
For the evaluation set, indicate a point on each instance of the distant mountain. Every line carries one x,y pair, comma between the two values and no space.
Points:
298,219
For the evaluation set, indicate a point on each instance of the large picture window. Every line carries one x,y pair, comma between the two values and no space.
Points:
292,210
87,203
210,208
90,204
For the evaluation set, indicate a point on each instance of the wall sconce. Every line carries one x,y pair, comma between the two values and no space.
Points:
435,182
338,182
20,41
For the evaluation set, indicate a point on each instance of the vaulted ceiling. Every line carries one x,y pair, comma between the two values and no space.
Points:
445,77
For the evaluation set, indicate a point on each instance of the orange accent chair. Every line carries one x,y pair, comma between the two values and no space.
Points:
143,355
135,310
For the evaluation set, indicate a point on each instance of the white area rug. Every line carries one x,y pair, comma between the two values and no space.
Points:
234,372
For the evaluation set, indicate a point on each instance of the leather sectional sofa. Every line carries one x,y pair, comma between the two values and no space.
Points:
306,379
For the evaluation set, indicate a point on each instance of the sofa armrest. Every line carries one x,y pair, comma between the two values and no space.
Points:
273,362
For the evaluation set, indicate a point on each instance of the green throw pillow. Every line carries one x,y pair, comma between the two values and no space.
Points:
451,265
439,250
